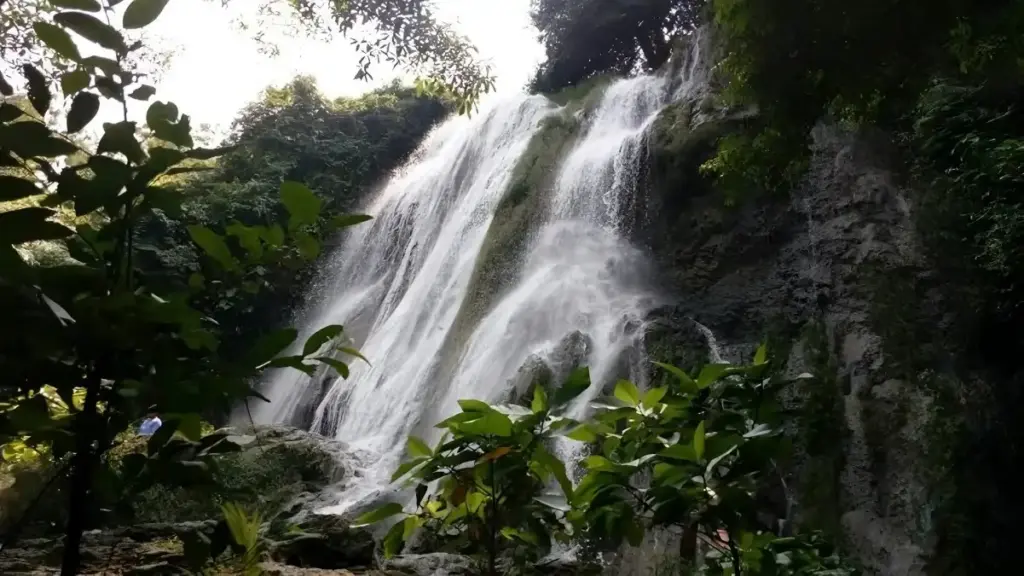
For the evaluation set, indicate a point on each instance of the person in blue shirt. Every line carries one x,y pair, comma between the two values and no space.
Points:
150,425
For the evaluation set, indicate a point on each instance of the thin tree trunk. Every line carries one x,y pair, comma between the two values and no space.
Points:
83,464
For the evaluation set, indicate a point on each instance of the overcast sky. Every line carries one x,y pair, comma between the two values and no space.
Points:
216,69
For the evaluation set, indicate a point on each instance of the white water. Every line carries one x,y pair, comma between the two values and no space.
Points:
399,282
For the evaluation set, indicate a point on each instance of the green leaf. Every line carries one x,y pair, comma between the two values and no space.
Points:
141,13
84,5
38,89
418,448
120,138
407,467
372,517
273,235
575,384
680,452
10,112
106,65
340,367
555,466
30,224
248,238
90,28
295,362
72,82
162,118
654,396
583,434
346,220
470,405
57,39
627,392
144,92
83,109
353,352
33,139
321,337
540,399
698,441
303,206
492,424
14,188
761,356
710,374
394,539
214,246
309,248
270,345
686,383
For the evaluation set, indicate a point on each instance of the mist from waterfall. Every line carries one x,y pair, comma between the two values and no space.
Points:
397,283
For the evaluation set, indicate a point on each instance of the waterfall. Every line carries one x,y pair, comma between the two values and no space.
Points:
397,284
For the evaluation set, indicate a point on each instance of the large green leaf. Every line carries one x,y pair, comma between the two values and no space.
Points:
340,367
73,81
308,246
540,399
57,40
38,89
417,448
303,206
29,224
471,405
248,238
270,345
321,337
407,467
710,373
574,385
346,220
492,424
687,385
372,517
555,466
214,246
33,139
141,13
10,112
627,392
162,118
394,539
84,5
92,29
14,188
698,441
120,138
83,109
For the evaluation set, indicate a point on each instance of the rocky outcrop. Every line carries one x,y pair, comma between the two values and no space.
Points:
829,275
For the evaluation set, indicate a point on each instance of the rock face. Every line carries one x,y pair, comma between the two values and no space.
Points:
829,274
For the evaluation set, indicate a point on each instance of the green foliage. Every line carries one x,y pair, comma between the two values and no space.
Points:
403,33
338,149
694,454
491,469
99,346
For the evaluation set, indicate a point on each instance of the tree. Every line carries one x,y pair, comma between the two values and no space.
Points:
697,453
583,38
93,332
404,33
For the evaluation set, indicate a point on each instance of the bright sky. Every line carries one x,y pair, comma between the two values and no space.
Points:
217,69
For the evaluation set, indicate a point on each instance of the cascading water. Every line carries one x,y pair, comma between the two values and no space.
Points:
401,280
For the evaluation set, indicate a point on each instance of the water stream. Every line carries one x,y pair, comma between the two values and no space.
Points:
398,283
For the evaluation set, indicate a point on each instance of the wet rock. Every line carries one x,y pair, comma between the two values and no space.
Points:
436,564
325,542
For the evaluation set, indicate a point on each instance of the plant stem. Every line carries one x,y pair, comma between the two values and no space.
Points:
82,464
